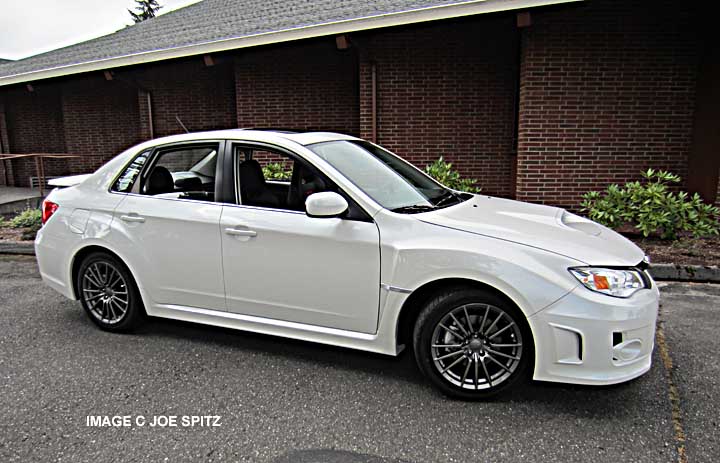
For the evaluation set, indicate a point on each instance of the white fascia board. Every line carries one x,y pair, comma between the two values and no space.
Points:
421,15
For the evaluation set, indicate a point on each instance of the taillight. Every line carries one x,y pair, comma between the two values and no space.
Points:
48,209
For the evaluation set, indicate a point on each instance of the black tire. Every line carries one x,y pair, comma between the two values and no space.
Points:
472,344
105,286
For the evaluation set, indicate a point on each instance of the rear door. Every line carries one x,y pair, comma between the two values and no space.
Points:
170,231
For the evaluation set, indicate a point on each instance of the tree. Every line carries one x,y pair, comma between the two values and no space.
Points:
146,9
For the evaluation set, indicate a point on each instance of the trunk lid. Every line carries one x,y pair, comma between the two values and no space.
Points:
64,182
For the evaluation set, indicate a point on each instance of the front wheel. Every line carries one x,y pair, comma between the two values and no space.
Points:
472,344
108,293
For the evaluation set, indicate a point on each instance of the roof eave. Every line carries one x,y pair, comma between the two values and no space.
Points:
433,13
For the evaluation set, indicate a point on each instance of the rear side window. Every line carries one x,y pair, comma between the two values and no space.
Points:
189,160
125,182
182,172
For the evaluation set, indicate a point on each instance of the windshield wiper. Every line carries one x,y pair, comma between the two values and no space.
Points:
449,195
414,208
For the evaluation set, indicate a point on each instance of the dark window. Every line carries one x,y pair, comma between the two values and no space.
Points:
189,160
274,179
183,172
278,180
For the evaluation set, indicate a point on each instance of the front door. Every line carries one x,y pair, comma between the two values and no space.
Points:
280,263
288,266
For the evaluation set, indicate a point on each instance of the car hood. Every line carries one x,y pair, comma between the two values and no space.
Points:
549,228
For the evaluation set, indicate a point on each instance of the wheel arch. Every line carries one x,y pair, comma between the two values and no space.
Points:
413,304
85,251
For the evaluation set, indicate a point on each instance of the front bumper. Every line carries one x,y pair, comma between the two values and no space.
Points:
590,338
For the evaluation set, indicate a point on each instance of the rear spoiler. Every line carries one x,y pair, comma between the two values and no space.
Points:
64,182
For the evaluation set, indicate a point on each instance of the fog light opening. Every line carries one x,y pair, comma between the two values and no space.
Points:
617,338
627,351
580,346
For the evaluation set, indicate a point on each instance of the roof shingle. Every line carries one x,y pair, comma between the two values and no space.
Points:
213,20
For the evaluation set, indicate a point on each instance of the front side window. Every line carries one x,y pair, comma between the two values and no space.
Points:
274,179
387,179
277,180
275,167
125,181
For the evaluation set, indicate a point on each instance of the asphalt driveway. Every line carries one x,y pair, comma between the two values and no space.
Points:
288,401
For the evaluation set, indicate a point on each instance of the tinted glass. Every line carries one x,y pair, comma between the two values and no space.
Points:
124,183
184,160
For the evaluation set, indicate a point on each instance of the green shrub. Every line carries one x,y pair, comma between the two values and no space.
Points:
650,207
29,218
276,171
443,172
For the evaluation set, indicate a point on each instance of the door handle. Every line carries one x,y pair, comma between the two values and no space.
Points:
239,232
132,218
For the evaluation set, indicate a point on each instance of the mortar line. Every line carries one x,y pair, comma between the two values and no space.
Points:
673,393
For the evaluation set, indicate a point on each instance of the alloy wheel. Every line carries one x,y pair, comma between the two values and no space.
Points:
105,292
476,346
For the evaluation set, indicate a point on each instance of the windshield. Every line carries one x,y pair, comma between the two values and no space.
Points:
390,181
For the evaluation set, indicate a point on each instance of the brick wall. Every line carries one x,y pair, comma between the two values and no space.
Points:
446,90
202,97
93,116
99,118
607,90
303,86
35,125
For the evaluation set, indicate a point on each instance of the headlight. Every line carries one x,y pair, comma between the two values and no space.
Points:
613,282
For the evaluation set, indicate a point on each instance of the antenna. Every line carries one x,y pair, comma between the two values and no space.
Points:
177,118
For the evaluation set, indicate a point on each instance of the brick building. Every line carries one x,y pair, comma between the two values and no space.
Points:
539,100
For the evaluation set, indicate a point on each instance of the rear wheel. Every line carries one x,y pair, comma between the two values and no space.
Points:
108,293
472,344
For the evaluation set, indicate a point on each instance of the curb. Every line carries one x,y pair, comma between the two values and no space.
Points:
20,205
660,272
697,273
17,247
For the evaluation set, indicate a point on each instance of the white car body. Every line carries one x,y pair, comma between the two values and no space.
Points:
345,283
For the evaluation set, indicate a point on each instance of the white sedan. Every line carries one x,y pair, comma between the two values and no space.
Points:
355,248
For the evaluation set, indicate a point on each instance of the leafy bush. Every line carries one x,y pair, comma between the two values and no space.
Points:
652,208
443,172
276,171
29,218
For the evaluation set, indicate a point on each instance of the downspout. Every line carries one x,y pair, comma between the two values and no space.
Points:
5,163
2,151
373,122
148,95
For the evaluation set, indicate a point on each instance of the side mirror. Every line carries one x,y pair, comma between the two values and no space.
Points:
325,204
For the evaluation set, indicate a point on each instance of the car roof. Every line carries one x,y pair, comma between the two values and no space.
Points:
261,135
